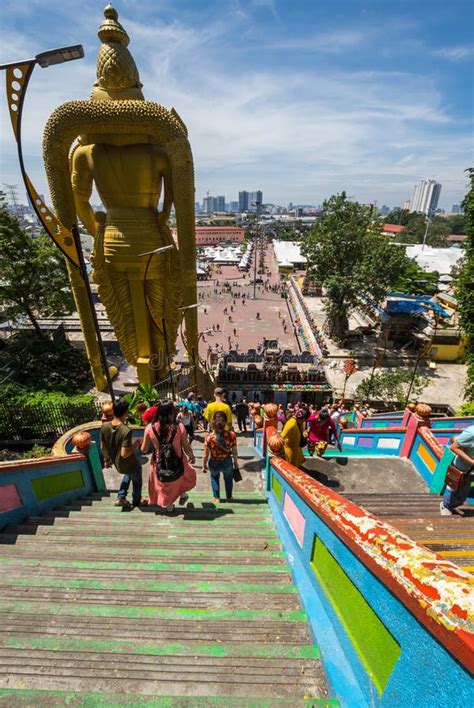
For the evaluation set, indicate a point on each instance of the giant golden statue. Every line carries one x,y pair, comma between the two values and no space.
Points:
137,155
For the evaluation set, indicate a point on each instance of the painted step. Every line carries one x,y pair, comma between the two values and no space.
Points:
15,698
192,600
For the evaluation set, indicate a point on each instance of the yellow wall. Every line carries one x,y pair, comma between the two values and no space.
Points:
448,352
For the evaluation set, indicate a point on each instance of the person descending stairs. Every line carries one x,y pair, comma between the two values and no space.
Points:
102,606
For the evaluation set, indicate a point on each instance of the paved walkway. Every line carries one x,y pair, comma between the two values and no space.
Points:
120,608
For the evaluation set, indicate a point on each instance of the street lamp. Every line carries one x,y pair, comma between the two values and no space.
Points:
85,277
50,57
17,76
425,236
183,309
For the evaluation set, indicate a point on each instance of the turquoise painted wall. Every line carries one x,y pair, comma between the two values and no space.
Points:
42,488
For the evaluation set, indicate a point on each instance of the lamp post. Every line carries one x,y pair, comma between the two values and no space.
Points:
67,239
425,236
18,74
193,352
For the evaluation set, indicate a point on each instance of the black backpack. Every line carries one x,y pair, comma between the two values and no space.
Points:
169,466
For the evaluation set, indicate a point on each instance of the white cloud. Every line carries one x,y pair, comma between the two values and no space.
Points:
300,135
456,53
323,42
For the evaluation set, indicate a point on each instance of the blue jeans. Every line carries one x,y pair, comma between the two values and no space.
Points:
457,498
227,468
136,479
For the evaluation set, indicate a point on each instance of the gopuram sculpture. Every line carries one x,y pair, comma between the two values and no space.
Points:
137,155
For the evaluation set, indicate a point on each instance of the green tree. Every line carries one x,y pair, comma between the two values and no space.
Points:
415,227
465,288
456,224
34,281
351,259
416,281
391,386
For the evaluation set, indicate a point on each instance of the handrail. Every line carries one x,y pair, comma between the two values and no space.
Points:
436,591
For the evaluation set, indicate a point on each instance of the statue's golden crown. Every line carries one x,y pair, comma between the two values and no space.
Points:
117,74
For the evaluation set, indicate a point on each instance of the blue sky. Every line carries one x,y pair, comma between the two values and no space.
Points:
301,99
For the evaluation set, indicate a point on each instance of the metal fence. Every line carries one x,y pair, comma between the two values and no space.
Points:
43,422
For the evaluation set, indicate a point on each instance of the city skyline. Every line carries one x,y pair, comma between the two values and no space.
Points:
270,101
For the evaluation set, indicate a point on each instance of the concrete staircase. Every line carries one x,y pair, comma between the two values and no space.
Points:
104,607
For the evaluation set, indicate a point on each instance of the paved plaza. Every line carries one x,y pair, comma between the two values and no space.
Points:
240,329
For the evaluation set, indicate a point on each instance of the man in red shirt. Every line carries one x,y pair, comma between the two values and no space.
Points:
319,426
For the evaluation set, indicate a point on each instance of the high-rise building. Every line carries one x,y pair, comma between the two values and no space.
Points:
234,206
219,203
425,197
254,199
243,201
457,209
248,200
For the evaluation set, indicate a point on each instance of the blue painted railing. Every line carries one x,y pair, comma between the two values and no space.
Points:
368,591
385,422
31,487
372,441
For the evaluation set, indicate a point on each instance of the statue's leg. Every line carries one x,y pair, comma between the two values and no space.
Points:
155,296
123,302
146,367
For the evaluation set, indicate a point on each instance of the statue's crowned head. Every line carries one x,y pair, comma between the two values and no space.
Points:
117,74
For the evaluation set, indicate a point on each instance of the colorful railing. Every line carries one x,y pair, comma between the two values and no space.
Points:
373,441
298,313
385,422
31,487
394,621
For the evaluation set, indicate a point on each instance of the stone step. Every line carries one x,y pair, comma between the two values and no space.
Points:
154,608
19,698
83,554
190,600
230,541
179,631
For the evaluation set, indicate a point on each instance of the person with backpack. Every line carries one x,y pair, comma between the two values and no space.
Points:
118,449
172,472
220,455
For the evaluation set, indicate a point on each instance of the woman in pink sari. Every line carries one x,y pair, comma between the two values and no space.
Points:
165,435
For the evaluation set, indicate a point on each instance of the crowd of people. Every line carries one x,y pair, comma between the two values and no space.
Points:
170,429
